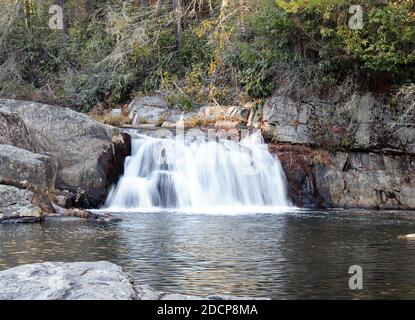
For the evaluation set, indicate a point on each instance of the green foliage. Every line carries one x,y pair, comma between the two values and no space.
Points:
228,53
384,47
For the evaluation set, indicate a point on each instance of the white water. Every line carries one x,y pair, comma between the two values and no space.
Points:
200,176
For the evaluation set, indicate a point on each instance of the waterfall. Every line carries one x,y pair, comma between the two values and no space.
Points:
197,175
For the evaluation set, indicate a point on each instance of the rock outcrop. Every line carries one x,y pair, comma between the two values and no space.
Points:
361,122
17,205
357,152
90,155
79,281
319,178
152,110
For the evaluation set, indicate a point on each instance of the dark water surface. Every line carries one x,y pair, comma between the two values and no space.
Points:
292,255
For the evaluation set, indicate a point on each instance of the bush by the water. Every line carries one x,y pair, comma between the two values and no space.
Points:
220,51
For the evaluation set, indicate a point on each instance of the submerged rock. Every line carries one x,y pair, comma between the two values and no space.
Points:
90,155
18,205
81,281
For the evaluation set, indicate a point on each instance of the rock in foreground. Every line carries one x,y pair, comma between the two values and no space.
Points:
79,281
66,281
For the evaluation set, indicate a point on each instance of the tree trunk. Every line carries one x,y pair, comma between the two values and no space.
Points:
177,8
27,11
61,3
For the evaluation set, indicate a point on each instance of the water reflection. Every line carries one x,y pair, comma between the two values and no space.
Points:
295,255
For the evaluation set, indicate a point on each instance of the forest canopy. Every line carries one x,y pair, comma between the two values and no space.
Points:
199,51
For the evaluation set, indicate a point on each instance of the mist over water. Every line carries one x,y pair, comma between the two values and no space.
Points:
194,174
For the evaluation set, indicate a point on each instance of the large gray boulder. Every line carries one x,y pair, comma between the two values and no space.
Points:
17,205
66,281
13,131
152,110
90,155
26,170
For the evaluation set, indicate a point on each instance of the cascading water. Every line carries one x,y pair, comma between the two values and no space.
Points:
200,176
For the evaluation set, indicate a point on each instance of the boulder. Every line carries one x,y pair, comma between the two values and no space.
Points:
169,125
17,205
26,170
13,131
90,155
224,124
66,281
64,199
152,110
232,113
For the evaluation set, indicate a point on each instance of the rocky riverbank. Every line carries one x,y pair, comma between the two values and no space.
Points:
82,281
54,157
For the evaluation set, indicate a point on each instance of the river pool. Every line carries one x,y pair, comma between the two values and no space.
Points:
300,254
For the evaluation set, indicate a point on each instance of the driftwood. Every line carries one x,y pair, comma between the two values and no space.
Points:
84,214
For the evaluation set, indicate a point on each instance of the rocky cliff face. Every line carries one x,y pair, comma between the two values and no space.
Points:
318,178
360,122
353,153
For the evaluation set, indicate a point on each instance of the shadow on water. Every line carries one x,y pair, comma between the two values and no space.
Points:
302,254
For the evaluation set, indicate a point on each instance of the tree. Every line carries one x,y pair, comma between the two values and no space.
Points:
178,13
